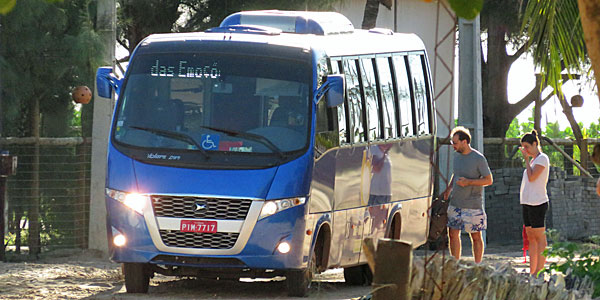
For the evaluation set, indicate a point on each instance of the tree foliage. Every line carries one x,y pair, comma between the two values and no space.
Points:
555,32
47,49
137,19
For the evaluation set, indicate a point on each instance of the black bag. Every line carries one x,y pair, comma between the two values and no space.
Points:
439,218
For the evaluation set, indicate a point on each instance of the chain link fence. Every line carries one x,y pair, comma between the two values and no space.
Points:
48,198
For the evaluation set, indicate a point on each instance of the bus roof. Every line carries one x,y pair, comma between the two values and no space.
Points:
329,32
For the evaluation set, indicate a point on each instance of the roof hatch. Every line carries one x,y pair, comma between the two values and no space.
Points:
303,22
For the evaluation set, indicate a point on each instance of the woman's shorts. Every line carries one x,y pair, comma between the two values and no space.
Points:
534,216
469,220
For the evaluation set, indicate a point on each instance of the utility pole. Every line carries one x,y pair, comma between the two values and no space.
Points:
470,106
106,28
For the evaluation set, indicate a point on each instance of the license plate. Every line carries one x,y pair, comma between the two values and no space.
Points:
198,226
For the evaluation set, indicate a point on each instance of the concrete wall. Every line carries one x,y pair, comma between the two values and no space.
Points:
573,211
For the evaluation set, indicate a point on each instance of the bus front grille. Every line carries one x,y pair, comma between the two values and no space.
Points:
200,208
218,240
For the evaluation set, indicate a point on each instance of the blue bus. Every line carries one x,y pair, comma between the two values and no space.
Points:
269,146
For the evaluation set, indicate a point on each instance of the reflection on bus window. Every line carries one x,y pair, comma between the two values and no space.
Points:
387,97
404,101
418,80
372,107
341,109
357,133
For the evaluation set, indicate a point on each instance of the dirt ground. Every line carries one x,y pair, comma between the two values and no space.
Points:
87,275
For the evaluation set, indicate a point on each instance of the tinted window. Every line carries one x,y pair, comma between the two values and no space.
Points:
372,106
404,100
387,97
208,104
420,90
353,98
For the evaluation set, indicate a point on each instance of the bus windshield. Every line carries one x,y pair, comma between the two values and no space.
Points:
214,104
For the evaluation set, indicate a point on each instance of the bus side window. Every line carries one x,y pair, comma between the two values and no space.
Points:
339,111
404,99
354,99
386,86
420,89
371,104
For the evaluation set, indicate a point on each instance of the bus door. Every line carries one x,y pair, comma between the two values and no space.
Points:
349,203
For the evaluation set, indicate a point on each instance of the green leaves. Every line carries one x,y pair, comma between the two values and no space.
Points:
555,30
6,6
466,9
573,259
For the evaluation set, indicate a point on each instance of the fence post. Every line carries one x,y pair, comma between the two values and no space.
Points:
567,163
8,166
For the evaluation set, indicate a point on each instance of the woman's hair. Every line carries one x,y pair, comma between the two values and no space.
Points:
531,137
596,154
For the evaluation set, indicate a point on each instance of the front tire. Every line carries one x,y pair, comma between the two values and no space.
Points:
137,277
299,281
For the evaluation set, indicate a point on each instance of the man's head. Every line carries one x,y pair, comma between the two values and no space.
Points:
461,139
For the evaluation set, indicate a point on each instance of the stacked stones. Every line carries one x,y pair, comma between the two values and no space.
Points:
574,205
502,206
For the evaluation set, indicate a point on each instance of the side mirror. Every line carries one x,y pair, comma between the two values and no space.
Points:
106,81
334,88
335,94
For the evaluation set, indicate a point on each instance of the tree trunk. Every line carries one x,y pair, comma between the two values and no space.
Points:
496,119
568,111
370,14
589,12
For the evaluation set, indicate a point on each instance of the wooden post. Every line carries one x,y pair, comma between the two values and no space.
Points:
393,267
568,166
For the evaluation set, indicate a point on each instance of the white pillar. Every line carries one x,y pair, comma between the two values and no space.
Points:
106,20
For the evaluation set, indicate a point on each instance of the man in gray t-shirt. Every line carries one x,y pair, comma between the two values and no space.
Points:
465,211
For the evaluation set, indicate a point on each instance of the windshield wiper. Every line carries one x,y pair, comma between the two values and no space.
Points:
175,135
259,138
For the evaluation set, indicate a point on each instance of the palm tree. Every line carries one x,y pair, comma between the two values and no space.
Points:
557,29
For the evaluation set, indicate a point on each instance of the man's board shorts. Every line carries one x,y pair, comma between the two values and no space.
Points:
469,220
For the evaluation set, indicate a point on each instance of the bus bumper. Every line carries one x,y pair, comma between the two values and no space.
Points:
260,251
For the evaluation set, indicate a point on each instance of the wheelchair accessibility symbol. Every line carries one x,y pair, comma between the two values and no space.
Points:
210,142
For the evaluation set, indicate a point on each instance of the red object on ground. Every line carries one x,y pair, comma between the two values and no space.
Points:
525,244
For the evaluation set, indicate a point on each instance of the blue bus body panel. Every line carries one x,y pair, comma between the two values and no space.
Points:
230,183
119,173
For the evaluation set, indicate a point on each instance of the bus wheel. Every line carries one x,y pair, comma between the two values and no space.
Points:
299,281
137,277
358,275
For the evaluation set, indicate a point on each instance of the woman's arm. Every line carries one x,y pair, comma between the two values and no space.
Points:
598,187
535,172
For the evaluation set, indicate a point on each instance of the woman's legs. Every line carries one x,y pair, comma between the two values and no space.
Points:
537,245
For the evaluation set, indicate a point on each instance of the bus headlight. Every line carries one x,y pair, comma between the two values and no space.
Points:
119,240
134,201
272,207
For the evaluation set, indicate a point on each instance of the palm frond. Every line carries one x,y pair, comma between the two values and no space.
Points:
556,35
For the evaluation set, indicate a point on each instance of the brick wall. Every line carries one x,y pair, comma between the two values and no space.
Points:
574,205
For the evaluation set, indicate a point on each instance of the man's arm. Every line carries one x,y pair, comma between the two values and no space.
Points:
485,181
598,187
446,193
